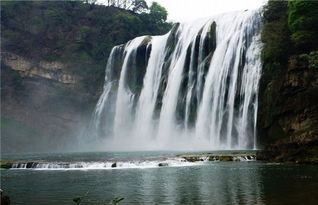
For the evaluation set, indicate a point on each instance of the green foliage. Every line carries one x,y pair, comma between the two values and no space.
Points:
302,21
290,29
275,36
80,34
5,165
311,59
274,11
158,13
276,51
83,34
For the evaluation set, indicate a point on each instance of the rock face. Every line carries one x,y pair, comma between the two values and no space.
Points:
229,157
288,112
42,105
48,70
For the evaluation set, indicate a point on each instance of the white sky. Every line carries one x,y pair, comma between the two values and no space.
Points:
184,10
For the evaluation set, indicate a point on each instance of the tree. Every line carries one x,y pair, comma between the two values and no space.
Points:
140,6
136,6
90,1
302,21
158,13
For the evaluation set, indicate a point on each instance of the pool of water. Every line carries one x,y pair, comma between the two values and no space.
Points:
245,182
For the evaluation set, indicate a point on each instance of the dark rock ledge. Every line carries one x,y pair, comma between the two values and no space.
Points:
218,157
304,152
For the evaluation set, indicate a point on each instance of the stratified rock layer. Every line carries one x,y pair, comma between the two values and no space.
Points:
288,114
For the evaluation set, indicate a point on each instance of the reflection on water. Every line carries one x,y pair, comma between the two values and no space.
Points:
212,183
233,185
216,184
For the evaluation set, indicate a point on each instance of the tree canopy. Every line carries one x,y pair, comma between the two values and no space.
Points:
302,22
158,13
136,6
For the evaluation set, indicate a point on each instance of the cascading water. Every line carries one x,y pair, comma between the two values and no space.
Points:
194,88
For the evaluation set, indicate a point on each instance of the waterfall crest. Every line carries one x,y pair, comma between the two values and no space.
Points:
195,88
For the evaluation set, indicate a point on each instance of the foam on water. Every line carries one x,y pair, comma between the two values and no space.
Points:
176,162
110,165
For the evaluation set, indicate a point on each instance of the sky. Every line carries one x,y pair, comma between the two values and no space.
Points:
186,10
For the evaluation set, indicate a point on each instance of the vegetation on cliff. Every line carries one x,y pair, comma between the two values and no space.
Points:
302,22
289,86
53,61
74,32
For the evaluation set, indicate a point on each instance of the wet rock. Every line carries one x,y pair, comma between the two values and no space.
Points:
222,158
193,159
287,117
212,158
305,152
138,65
114,165
226,158
163,164
5,165
29,165
218,157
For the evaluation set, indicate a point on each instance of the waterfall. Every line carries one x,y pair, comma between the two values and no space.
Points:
194,88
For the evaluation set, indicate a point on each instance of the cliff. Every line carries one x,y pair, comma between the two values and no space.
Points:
288,102
43,107
54,71
53,58
288,119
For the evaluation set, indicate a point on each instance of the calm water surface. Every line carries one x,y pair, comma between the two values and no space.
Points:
204,183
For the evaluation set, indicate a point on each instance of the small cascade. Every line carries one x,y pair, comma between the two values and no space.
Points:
194,88
166,161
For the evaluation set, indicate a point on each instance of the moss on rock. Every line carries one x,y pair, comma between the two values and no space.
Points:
5,165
